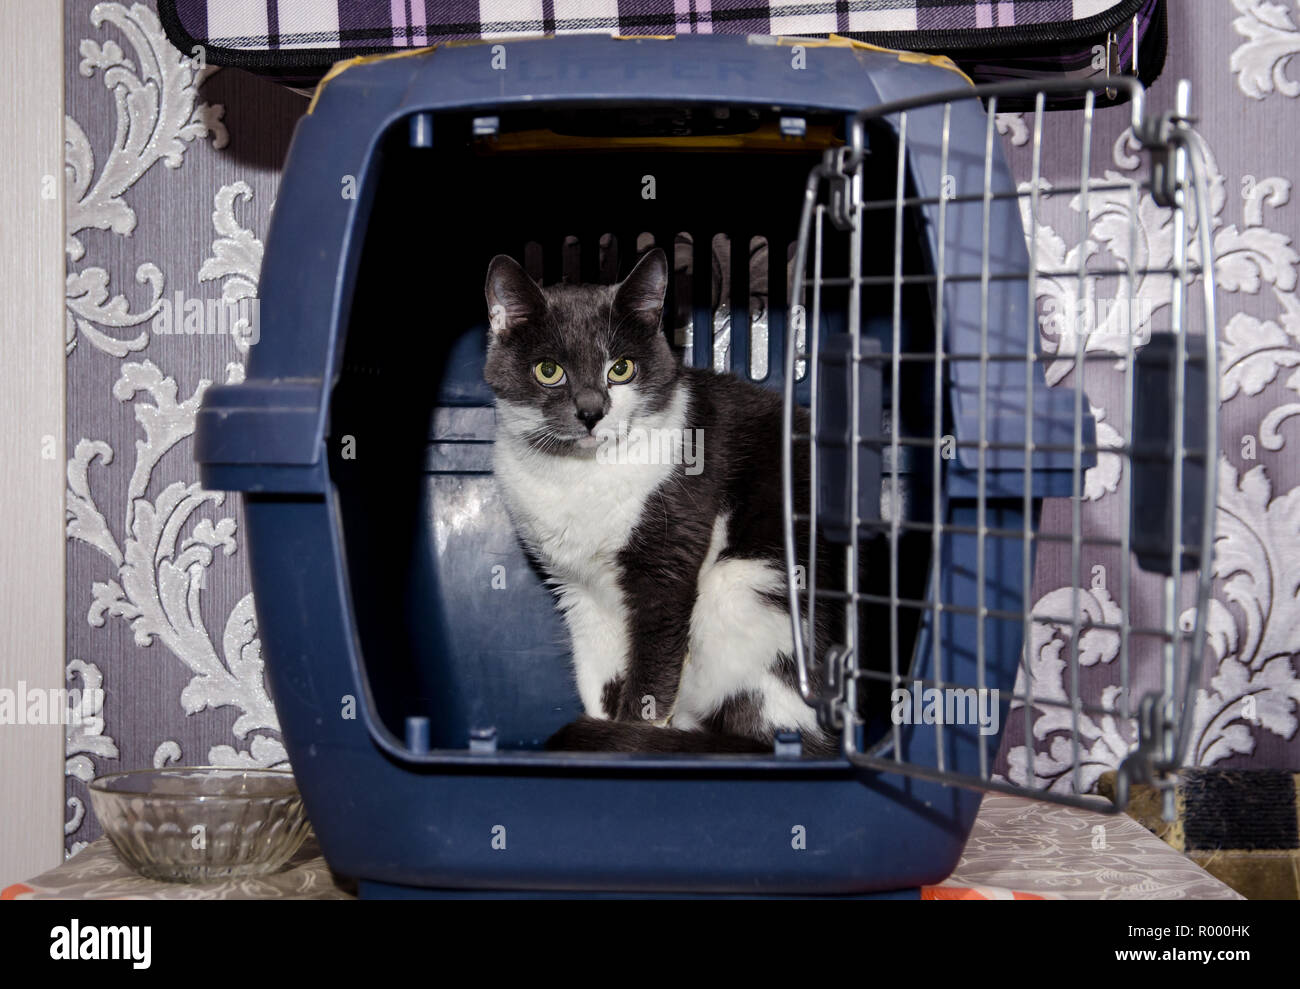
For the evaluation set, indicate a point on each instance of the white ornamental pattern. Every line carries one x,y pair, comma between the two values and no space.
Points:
1263,63
155,99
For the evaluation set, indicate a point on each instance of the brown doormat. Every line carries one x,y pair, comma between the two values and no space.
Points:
1241,825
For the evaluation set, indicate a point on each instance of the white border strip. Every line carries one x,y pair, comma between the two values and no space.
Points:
32,421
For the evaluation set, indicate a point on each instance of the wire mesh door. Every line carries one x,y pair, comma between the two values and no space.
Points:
955,356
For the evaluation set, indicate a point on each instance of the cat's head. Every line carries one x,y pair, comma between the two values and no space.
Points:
573,363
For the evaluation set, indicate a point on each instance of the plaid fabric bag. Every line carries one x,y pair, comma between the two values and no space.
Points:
992,40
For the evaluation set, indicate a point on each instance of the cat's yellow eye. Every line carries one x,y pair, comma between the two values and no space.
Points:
622,371
548,373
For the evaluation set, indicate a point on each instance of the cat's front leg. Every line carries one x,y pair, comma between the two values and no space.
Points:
658,637
597,618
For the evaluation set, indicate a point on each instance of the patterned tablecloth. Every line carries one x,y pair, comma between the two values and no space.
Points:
1019,848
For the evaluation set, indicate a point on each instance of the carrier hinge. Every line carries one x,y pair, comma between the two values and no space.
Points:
1155,756
1168,158
840,179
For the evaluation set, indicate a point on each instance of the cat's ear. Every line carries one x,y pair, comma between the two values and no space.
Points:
640,297
512,297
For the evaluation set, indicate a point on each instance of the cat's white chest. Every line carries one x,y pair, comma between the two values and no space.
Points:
575,514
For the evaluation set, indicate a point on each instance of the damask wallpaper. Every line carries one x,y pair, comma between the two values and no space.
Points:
171,175
169,190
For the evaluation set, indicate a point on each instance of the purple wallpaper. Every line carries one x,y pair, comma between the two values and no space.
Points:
171,176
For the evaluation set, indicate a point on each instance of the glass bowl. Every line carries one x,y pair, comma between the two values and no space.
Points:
201,823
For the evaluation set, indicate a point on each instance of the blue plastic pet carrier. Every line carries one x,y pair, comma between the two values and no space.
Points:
416,659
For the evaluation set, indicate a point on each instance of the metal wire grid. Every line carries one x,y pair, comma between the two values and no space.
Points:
1177,182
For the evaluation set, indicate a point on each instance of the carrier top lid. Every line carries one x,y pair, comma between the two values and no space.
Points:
827,74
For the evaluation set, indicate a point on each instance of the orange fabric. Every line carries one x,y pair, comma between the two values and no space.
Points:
975,893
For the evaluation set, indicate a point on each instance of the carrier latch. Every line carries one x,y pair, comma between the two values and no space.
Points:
836,677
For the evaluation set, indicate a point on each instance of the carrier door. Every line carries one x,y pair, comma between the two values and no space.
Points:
1000,553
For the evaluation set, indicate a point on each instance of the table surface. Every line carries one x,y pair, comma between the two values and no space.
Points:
1018,846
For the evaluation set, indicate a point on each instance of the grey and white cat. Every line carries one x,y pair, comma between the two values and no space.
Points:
668,567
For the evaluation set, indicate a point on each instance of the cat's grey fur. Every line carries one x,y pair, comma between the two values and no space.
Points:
671,579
